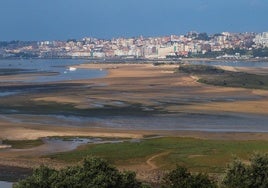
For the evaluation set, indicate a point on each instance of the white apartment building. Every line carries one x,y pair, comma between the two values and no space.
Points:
261,39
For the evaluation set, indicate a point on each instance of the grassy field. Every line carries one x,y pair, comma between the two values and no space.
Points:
219,77
209,156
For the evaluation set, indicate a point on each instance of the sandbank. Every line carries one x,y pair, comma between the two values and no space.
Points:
127,84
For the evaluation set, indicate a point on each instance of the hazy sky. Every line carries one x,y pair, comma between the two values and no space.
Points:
64,19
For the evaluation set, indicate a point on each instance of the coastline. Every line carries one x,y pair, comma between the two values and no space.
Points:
129,84
144,60
146,78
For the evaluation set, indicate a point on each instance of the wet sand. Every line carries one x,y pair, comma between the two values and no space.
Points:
152,86
158,87
145,84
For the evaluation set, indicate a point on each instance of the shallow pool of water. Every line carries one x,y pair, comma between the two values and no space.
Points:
54,145
59,69
4,184
234,122
7,93
203,122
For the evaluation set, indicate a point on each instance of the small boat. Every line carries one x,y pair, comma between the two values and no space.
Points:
72,69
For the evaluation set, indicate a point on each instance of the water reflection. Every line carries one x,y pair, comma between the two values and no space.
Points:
52,70
57,144
7,93
42,71
4,184
235,122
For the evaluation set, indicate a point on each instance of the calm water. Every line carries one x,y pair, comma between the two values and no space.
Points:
234,122
4,184
59,68
54,145
7,93
205,122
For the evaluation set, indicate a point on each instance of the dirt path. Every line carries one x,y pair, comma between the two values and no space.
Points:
150,162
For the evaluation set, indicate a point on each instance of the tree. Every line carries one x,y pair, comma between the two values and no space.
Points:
181,178
41,178
259,170
252,175
94,173
236,175
260,52
203,36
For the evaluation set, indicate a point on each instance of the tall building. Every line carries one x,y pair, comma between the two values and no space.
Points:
261,40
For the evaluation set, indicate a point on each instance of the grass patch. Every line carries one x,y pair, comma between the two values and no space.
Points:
53,108
23,144
219,77
198,155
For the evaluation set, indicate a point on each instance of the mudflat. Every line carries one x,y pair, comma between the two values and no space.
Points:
131,89
156,87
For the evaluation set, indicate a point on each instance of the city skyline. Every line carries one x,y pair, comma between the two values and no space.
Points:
65,19
226,45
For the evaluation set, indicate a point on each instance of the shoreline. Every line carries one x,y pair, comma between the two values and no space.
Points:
160,74
33,132
129,84
16,167
144,60
148,170
13,174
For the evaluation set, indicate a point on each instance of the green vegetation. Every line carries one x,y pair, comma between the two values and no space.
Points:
200,69
259,52
251,175
97,173
23,144
198,155
53,108
219,77
202,36
94,173
180,178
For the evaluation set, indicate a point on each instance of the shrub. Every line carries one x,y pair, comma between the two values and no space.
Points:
252,175
181,178
94,173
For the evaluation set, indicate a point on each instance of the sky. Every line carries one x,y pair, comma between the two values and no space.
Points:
106,19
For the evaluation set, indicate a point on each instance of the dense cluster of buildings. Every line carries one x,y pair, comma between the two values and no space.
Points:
261,40
192,43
